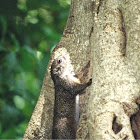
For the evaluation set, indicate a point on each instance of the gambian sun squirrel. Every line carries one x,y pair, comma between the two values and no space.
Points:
67,86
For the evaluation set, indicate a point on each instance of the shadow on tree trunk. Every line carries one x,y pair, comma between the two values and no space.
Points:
135,124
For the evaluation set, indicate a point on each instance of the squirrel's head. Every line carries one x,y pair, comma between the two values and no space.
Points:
58,66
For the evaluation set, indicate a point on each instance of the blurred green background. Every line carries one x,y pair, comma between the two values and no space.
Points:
29,29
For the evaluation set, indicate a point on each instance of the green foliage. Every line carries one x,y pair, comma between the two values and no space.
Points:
29,29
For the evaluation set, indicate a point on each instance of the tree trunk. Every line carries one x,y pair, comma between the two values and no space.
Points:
107,32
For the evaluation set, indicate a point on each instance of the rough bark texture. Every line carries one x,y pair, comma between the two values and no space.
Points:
107,31
75,41
116,89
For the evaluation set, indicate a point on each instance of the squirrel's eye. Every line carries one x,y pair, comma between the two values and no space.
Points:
59,61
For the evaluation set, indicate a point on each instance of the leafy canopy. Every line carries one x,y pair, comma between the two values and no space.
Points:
29,29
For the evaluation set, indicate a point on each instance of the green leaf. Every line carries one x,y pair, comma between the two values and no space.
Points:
28,59
0,128
19,102
31,83
3,26
15,46
9,133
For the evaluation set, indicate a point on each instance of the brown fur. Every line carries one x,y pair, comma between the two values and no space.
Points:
67,86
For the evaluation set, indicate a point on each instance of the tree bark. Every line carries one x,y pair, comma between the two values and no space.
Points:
107,32
116,89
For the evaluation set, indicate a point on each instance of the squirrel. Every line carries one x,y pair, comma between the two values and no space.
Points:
67,86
